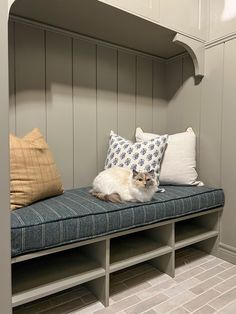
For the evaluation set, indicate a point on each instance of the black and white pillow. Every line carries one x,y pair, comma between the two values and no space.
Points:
141,156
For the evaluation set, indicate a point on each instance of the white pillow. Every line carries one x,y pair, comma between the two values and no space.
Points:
179,161
145,156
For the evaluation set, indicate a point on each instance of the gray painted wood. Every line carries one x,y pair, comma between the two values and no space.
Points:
135,248
59,103
29,79
187,234
126,94
228,150
174,79
97,258
40,281
106,100
12,99
184,96
159,120
165,263
99,289
144,108
5,245
191,105
77,93
211,116
85,112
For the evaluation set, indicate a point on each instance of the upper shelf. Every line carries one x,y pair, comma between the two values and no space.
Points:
104,22
101,21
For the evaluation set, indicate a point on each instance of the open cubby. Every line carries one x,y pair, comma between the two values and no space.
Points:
138,247
92,261
195,230
39,277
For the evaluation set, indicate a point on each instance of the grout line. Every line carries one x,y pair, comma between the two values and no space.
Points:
96,54
14,70
152,96
136,88
221,123
117,93
73,107
45,83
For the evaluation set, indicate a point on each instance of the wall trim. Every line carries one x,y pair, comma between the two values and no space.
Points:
220,40
227,252
74,35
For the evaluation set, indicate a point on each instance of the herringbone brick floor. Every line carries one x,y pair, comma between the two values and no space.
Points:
203,285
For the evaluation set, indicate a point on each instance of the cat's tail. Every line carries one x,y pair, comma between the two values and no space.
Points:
113,197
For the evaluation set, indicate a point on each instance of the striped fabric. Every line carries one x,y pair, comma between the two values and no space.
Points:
76,215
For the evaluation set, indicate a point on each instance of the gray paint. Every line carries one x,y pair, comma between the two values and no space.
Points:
76,91
126,29
209,107
59,102
94,260
228,148
5,264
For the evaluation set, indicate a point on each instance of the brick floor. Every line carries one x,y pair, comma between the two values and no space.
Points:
203,284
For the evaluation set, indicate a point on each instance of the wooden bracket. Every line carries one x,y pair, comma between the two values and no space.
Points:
196,50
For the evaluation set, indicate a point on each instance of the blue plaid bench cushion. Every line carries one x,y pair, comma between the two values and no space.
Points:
76,215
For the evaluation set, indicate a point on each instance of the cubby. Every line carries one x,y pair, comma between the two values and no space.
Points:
138,247
92,261
39,277
194,230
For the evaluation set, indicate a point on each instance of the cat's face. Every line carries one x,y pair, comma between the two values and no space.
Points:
144,180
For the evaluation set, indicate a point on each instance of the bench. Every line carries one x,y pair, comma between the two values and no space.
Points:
75,238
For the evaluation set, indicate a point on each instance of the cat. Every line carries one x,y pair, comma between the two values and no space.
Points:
119,185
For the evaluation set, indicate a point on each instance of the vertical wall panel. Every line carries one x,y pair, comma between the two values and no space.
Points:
229,145
5,243
85,127
144,94
159,98
211,115
59,103
30,79
174,79
12,100
106,99
191,98
76,92
126,94
191,106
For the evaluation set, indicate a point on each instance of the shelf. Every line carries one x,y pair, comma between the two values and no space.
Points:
133,249
47,275
103,22
187,233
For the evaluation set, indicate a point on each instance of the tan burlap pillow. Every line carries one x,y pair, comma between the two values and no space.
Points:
33,172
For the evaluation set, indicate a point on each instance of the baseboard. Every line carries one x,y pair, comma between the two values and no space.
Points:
227,253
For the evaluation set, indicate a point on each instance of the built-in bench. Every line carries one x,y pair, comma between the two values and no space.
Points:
75,238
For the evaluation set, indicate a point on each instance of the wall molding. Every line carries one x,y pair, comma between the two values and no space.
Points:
227,252
220,40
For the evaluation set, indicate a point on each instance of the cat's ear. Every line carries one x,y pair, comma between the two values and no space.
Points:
152,173
135,173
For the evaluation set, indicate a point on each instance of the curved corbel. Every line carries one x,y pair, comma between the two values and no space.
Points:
195,49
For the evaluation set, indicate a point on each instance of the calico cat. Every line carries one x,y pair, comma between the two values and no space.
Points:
118,184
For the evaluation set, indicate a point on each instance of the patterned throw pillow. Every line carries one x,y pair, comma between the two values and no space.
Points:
142,156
